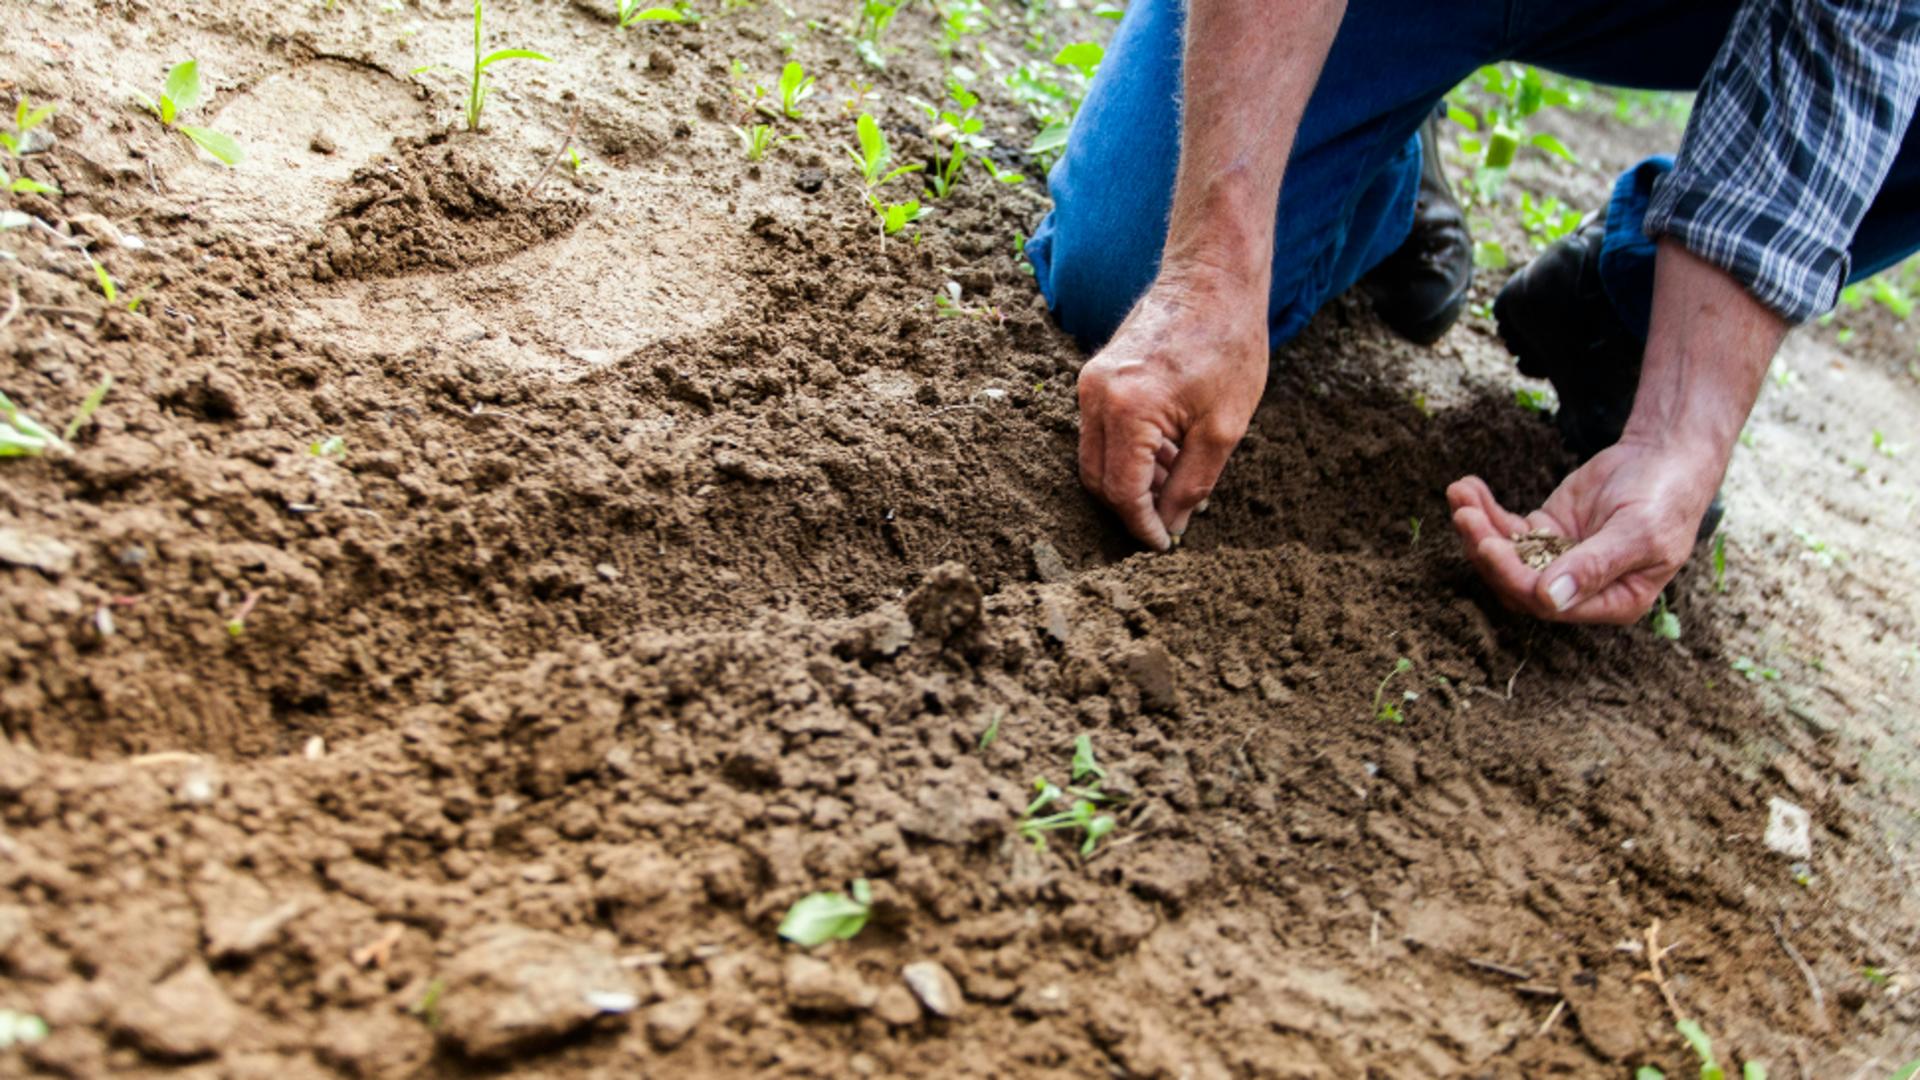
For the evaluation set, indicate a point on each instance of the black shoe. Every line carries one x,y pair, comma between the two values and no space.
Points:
1420,289
1555,318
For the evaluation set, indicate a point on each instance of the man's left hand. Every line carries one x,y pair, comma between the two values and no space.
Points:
1632,512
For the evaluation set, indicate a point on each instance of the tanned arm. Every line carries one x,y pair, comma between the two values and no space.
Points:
1165,403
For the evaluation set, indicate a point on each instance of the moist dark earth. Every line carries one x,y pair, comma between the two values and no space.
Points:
678,553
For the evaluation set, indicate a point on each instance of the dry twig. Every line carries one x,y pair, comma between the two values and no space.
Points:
1806,971
1654,955
565,141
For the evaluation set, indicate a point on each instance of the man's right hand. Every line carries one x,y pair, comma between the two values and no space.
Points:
1167,400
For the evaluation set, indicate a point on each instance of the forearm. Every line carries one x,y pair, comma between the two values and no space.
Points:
1250,67
1708,349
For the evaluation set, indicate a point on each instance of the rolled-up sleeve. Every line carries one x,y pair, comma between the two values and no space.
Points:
1794,130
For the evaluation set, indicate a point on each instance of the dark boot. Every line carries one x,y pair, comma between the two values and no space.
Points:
1555,318
1420,289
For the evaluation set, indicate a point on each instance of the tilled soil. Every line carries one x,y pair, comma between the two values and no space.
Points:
680,557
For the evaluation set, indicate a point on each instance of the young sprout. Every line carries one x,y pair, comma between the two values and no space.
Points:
875,17
88,406
874,155
1754,672
25,119
631,12
23,436
1413,525
332,446
1532,400
758,138
1084,764
1083,813
796,86
821,917
477,86
1720,562
182,92
1665,623
107,287
896,216
1390,710
993,729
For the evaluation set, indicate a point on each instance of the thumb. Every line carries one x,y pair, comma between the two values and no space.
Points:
1593,564
1203,456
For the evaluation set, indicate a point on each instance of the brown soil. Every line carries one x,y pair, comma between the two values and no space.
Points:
679,556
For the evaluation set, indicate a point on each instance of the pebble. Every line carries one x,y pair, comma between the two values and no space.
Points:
818,987
514,989
934,985
671,1022
897,1007
1048,566
1789,829
43,553
186,1016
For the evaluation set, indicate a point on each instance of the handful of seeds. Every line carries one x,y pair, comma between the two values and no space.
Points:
1539,548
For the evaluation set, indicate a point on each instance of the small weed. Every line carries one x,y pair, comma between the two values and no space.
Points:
947,304
1512,93
1720,563
1020,253
576,162
88,406
1489,255
818,918
182,92
23,436
1665,623
1547,220
1884,448
1388,710
874,155
1821,552
25,119
332,446
875,17
796,86
1413,523
477,75
1754,672
107,287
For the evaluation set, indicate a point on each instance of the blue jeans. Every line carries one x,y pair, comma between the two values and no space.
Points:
1347,202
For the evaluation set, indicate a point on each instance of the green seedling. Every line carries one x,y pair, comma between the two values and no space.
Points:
631,12
88,406
477,75
575,162
1884,448
1083,813
237,623
796,86
182,92
818,918
1082,56
1548,219
1665,623
962,130
428,1007
988,736
1720,562
875,17
1488,254
20,1029
23,436
332,446
1387,710
1020,259
896,216
874,155
25,119
1512,92
108,288
1533,400
947,304
1413,524
758,138
1754,672
1821,552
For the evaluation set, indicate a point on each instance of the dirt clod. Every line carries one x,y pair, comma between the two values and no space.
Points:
935,986
512,989
816,986
671,1022
186,1016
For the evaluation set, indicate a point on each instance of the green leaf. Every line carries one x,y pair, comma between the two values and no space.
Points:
23,186
18,1028
169,112
30,120
1110,11
1753,1070
88,406
1489,255
1083,56
183,85
1696,1037
1051,138
654,14
993,729
1553,146
1648,1072
105,281
512,54
821,917
1462,117
219,144
873,145
1907,1072
1084,764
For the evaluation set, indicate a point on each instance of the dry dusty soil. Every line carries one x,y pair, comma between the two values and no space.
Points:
678,553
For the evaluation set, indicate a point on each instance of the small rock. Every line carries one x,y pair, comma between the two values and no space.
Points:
320,144
42,553
315,749
1789,829
1151,669
1274,691
670,1022
607,570
1048,566
897,1007
1049,999
816,986
186,1016
1054,616
935,987
947,603
809,180
234,934
197,787
516,989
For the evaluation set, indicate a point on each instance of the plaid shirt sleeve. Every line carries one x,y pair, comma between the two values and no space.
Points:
1793,133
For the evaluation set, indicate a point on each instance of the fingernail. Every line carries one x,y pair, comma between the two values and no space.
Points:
1173,540
1202,508
1561,591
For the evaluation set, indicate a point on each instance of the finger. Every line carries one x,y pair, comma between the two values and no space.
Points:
1159,477
1496,561
1167,453
1473,491
1127,480
1203,456
1589,572
1093,448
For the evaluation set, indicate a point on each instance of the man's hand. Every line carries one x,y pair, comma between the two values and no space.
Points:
1165,403
1632,512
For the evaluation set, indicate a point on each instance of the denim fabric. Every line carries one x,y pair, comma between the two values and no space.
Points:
1347,200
